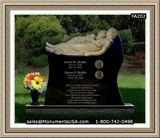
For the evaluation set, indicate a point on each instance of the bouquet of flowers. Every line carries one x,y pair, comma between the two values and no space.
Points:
35,81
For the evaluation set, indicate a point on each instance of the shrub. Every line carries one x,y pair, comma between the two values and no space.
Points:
51,39
22,24
131,59
127,58
127,41
40,61
33,28
93,32
104,25
140,63
139,46
37,51
139,55
76,34
21,52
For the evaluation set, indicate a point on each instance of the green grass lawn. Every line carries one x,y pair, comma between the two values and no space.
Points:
132,88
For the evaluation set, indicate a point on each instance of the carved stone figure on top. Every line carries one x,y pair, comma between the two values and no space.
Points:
85,45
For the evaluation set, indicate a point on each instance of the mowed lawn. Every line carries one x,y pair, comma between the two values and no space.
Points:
132,88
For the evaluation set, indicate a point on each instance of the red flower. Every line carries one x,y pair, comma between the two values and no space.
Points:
30,76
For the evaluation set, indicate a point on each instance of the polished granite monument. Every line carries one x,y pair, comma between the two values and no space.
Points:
83,76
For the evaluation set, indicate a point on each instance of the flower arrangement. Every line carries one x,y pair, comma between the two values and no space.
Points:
35,81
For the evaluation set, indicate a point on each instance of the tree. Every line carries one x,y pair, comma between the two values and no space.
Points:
22,24
33,28
82,23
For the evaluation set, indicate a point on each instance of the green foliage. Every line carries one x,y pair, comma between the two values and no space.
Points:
37,51
83,23
40,61
22,24
131,59
21,52
31,57
45,26
51,39
32,28
93,32
104,25
127,41
121,22
93,22
140,46
76,34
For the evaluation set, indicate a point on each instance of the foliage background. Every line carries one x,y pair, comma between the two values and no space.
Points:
32,32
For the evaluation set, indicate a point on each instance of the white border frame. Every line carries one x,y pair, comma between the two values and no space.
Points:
78,12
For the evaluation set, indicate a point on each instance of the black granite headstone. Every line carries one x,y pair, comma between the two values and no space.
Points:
85,80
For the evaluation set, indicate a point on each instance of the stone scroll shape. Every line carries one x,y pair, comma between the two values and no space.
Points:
81,80
85,45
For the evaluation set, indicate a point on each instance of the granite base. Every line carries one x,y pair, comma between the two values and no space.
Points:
127,108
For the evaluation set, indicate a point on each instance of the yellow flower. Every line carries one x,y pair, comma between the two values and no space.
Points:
37,83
